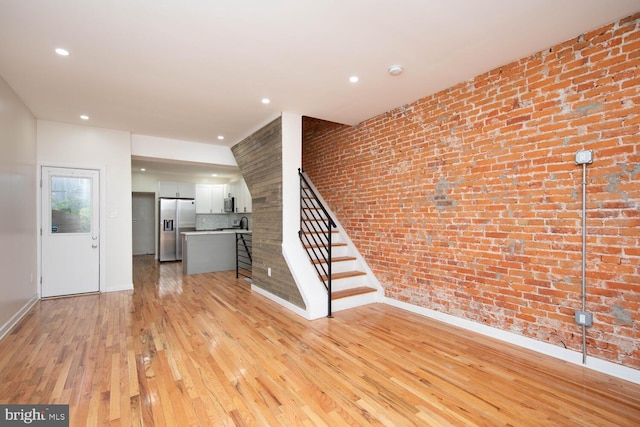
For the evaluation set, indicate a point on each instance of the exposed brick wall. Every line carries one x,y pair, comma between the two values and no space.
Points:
259,157
469,202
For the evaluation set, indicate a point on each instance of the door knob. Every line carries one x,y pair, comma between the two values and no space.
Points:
94,246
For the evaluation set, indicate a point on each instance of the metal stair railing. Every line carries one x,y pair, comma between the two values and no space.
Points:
243,255
316,235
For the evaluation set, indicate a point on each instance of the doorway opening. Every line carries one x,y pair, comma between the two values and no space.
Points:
143,212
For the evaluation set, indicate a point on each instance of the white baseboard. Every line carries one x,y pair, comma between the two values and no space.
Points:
123,287
609,368
297,310
6,328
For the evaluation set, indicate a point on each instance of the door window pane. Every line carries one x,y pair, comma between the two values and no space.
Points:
70,204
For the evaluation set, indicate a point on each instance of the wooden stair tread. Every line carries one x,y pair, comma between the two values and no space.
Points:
351,292
336,259
332,245
343,275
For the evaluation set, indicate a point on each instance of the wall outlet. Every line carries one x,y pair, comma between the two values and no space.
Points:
269,271
584,318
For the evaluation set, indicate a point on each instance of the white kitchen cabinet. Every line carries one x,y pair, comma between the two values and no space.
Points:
183,190
203,199
240,192
245,196
217,198
186,190
209,198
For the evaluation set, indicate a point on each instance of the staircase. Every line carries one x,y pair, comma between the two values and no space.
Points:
348,280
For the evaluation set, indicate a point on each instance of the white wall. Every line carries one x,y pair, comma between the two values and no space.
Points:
314,296
291,161
61,144
164,148
18,189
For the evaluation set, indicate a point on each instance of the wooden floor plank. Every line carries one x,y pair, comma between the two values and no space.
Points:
204,350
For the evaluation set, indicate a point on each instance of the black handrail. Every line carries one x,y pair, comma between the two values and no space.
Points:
315,233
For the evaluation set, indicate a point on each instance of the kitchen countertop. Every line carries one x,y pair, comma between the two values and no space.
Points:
226,231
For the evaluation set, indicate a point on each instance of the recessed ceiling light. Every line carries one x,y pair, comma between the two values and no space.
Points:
84,117
214,174
394,70
142,169
354,79
62,52
220,137
266,100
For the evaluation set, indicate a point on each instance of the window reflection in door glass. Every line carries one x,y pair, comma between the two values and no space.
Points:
70,204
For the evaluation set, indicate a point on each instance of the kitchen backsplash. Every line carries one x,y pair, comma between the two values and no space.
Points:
212,221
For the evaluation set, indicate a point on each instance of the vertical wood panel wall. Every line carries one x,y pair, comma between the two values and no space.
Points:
260,160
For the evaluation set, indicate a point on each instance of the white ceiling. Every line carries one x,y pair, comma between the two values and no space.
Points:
195,69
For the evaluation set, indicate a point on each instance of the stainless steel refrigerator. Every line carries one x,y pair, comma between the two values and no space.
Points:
176,216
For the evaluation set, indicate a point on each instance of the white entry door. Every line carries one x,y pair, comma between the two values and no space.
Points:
70,231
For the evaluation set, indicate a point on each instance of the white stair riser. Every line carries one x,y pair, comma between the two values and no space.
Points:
322,237
322,241
316,227
348,283
311,212
336,251
354,301
342,266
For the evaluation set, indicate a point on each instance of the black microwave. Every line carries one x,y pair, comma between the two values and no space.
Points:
229,204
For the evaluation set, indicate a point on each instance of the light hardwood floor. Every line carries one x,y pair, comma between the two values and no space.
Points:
205,350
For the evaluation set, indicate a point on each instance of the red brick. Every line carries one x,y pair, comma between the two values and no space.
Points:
506,234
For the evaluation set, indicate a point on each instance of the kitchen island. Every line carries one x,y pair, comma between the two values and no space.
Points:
209,251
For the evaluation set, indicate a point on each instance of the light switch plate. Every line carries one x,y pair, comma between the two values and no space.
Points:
584,157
